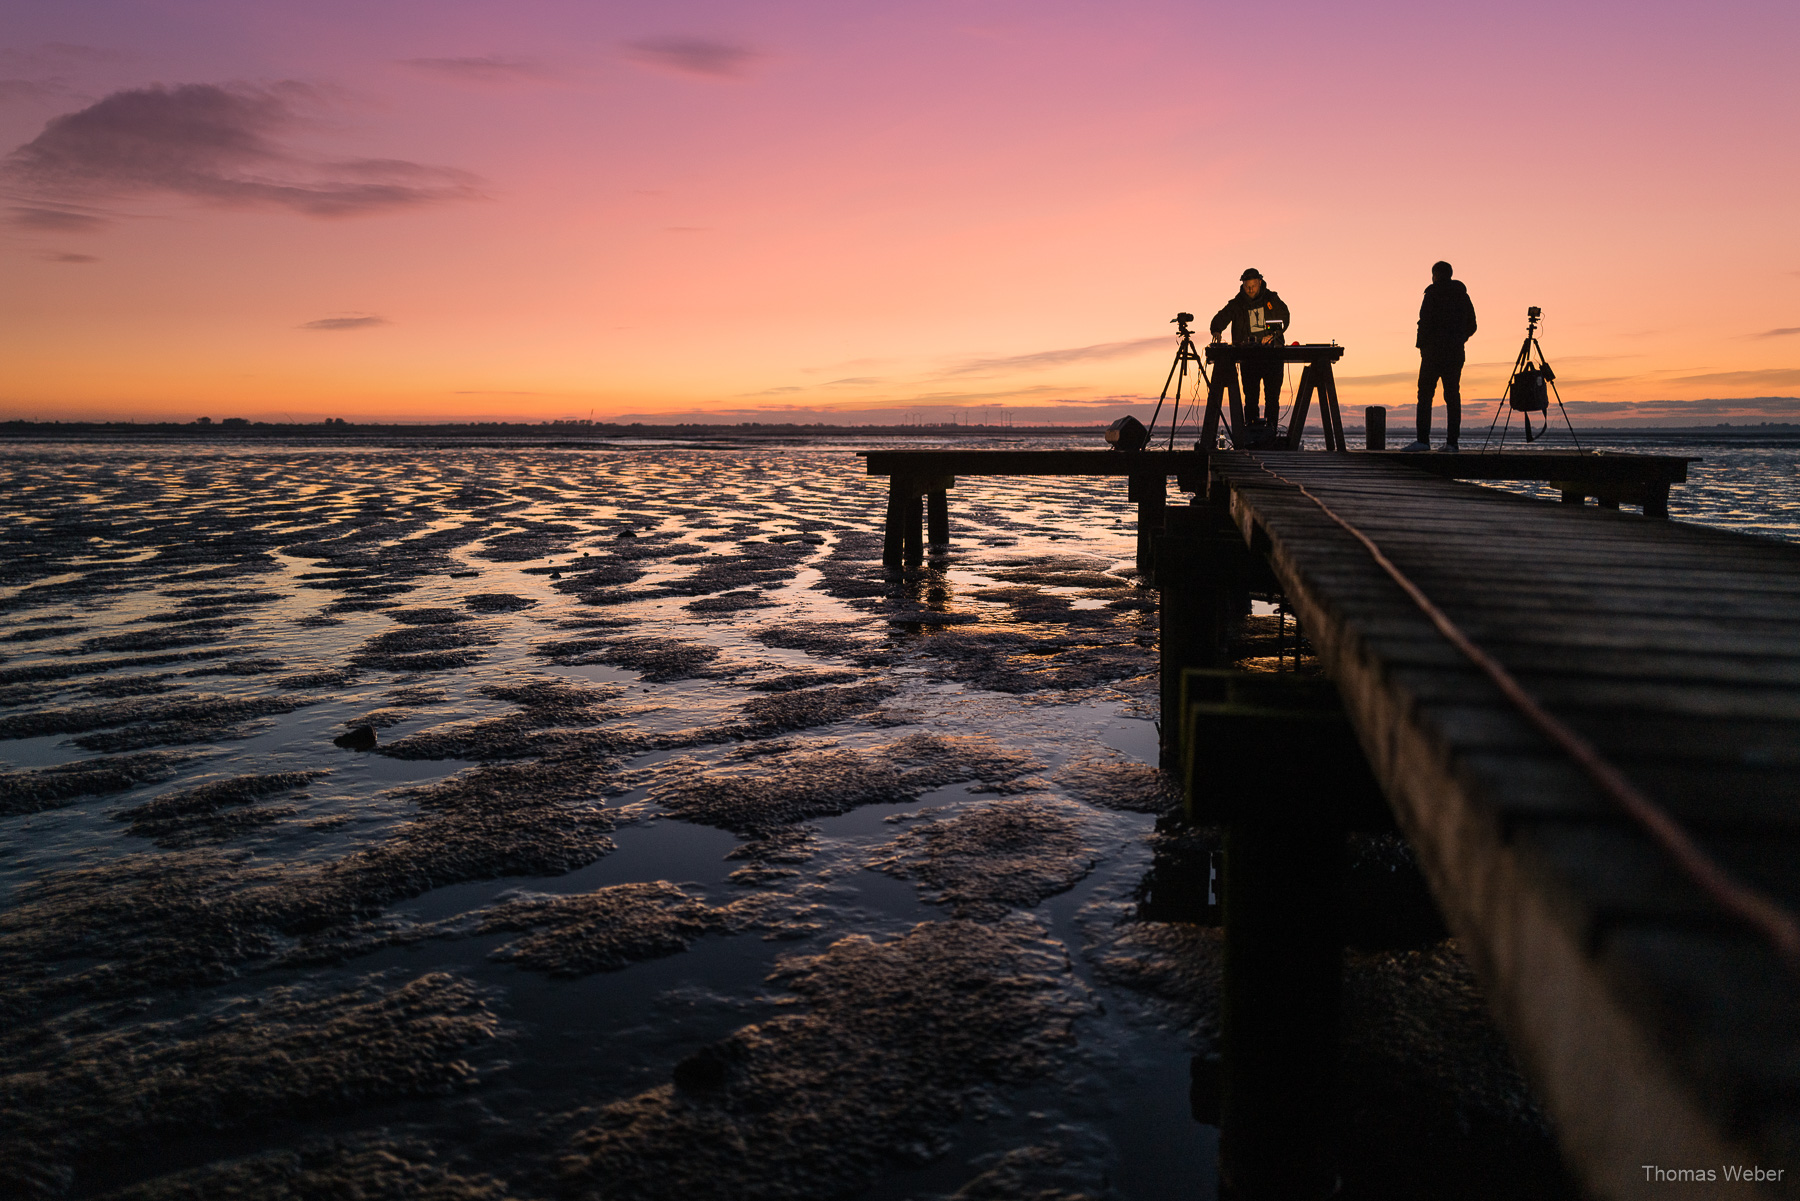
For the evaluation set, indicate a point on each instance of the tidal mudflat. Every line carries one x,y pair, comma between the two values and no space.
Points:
445,822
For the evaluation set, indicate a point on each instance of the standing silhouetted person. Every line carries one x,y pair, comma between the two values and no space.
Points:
1249,315
1446,321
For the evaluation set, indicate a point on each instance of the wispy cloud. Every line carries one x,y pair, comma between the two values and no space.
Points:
65,257
1043,359
1765,406
363,321
1370,381
705,57
216,144
1785,332
54,220
1771,377
486,70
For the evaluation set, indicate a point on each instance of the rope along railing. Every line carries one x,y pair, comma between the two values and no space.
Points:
1762,914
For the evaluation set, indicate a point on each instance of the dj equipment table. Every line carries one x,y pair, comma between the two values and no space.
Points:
1315,377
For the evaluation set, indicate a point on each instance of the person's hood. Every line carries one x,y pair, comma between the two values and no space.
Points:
1450,287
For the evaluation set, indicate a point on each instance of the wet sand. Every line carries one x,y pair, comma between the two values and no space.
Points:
695,856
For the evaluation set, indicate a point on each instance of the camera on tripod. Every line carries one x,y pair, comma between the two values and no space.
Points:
1531,387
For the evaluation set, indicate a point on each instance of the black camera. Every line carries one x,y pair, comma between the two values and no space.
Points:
1183,318
1534,312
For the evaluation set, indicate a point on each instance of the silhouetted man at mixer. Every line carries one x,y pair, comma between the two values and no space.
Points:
1252,315
1446,321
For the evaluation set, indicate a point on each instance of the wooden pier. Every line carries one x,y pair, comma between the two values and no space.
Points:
1607,809
916,476
920,480
1586,724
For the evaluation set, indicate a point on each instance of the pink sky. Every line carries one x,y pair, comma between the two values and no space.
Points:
775,211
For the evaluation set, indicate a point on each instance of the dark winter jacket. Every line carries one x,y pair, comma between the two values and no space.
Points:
1237,312
1446,318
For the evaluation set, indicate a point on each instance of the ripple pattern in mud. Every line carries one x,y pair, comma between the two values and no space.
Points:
434,821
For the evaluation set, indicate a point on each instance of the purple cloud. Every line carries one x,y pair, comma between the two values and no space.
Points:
54,220
1786,332
1042,359
65,257
692,56
361,322
487,69
218,145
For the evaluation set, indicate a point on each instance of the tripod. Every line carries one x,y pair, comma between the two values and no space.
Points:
1525,389
1178,372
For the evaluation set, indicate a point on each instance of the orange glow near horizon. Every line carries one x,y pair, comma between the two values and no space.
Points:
806,212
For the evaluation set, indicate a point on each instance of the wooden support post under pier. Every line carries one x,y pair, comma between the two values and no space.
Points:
903,541
1198,573
1151,492
912,529
1273,757
1283,970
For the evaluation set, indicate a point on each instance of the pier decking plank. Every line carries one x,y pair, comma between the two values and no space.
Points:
1657,1029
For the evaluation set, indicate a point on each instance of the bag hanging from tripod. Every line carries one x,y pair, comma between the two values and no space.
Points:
1531,394
1531,391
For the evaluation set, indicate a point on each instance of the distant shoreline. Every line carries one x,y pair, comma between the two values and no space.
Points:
575,434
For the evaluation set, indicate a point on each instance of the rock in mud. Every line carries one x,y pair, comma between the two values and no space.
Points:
896,1038
986,861
341,1172
362,738
53,787
80,1094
